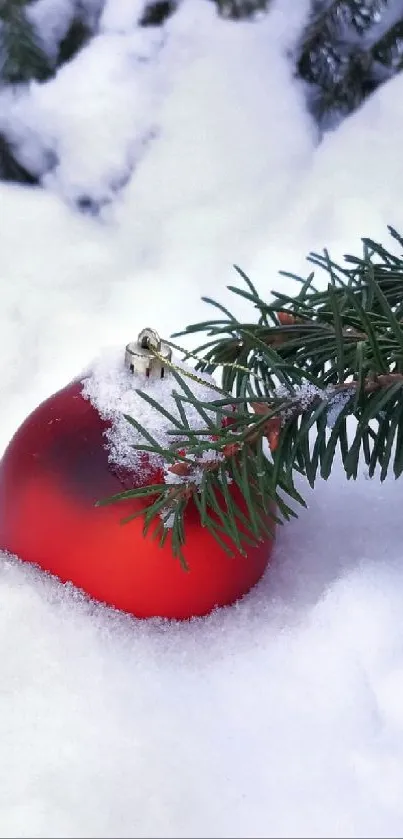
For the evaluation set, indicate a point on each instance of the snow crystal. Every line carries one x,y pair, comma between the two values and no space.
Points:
111,389
302,396
337,402
197,471
305,394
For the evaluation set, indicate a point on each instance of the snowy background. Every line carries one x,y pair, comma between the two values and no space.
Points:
191,148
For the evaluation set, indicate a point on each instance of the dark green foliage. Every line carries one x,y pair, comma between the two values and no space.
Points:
75,38
240,9
22,58
347,50
22,55
156,13
295,374
10,169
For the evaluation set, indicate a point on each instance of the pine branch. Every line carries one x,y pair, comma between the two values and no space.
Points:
290,381
10,169
22,55
348,48
157,12
241,9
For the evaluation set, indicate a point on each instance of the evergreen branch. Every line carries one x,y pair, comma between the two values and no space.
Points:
241,9
348,48
22,55
289,383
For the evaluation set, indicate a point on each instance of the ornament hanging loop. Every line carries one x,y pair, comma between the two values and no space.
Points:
148,355
149,340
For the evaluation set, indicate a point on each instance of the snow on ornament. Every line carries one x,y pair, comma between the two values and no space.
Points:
77,448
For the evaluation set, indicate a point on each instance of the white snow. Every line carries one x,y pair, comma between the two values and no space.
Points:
112,390
101,94
51,19
281,716
307,393
121,15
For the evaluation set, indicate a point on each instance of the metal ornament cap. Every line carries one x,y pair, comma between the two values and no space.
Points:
147,355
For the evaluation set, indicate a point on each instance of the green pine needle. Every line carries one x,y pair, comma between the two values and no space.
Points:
347,335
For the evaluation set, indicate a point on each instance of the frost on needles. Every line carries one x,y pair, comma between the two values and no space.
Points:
315,374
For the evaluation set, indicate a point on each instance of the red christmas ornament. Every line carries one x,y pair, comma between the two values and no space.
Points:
55,469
